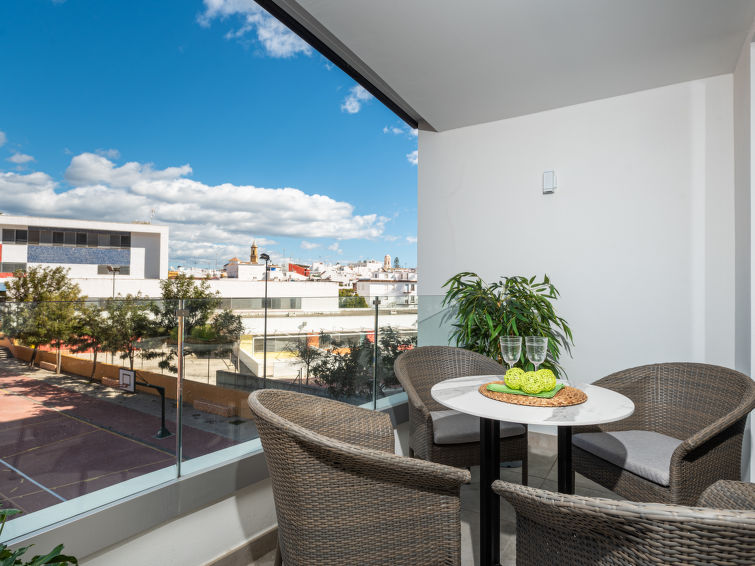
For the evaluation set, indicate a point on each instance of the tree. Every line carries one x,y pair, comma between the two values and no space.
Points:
346,373
392,345
228,327
302,349
199,300
129,322
46,301
91,332
396,262
348,299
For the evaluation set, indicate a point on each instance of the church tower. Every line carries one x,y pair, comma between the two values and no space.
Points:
253,259
387,262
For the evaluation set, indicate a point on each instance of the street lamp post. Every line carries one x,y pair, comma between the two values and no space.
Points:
266,257
113,269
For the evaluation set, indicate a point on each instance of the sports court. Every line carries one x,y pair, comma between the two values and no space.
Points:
57,444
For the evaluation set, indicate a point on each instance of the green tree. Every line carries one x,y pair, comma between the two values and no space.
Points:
396,263
302,349
45,303
346,374
129,322
348,299
392,345
91,332
228,327
199,300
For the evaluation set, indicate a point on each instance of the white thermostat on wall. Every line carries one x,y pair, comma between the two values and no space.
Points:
549,182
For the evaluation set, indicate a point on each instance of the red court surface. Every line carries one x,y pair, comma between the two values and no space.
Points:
57,444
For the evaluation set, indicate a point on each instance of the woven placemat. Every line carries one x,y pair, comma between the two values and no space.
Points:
564,398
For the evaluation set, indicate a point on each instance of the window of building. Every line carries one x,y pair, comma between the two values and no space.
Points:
123,270
58,239
115,240
34,237
22,236
81,239
11,267
9,236
126,241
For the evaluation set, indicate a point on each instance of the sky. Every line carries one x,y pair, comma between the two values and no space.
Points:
206,115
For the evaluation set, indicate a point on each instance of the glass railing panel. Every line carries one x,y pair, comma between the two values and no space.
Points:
68,429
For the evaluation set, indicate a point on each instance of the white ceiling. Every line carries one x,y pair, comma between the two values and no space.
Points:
457,63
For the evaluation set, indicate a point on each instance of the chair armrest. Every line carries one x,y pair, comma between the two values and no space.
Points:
715,428
729,494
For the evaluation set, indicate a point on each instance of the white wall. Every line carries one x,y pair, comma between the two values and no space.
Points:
638,237
200,537
154,246
14,253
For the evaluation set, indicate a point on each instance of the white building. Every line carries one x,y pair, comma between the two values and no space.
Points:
394,287
137,252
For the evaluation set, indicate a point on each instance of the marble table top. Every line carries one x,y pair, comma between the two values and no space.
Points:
602,405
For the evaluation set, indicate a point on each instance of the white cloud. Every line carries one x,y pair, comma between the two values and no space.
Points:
413,157
395,130
20,158
109,153
357,96
205,220
90,169
3,139
334,247
390,238
411,239
277,39
399,130
309,245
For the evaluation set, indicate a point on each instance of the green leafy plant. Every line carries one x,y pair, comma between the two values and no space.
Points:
9,557
513,306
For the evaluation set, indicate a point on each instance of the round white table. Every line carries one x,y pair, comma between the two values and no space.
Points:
461,394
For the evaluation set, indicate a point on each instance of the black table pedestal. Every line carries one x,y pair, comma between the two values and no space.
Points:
490,509
565,468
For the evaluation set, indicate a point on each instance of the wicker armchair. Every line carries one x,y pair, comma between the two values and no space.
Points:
421,368
562,530
691,415
343,497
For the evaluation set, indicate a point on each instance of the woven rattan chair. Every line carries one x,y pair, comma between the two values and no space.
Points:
688,425
563,530
418,370
343,497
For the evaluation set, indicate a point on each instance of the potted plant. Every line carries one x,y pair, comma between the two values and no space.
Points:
10,557
512,306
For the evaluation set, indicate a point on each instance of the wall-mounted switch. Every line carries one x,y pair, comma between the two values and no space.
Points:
549,182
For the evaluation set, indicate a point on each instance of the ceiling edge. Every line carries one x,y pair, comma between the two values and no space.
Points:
303,24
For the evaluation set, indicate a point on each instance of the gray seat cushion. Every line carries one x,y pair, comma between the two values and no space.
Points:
642,452
453,427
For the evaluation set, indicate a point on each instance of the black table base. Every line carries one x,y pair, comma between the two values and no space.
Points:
490,508
490,466
565,468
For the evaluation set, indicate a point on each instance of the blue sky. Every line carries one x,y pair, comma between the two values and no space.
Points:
207,114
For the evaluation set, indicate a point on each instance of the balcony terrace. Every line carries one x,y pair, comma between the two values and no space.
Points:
643,112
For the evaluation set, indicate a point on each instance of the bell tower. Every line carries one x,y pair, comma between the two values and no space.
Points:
253,258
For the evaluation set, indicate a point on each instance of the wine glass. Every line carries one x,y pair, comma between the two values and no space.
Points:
511,349
537,349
